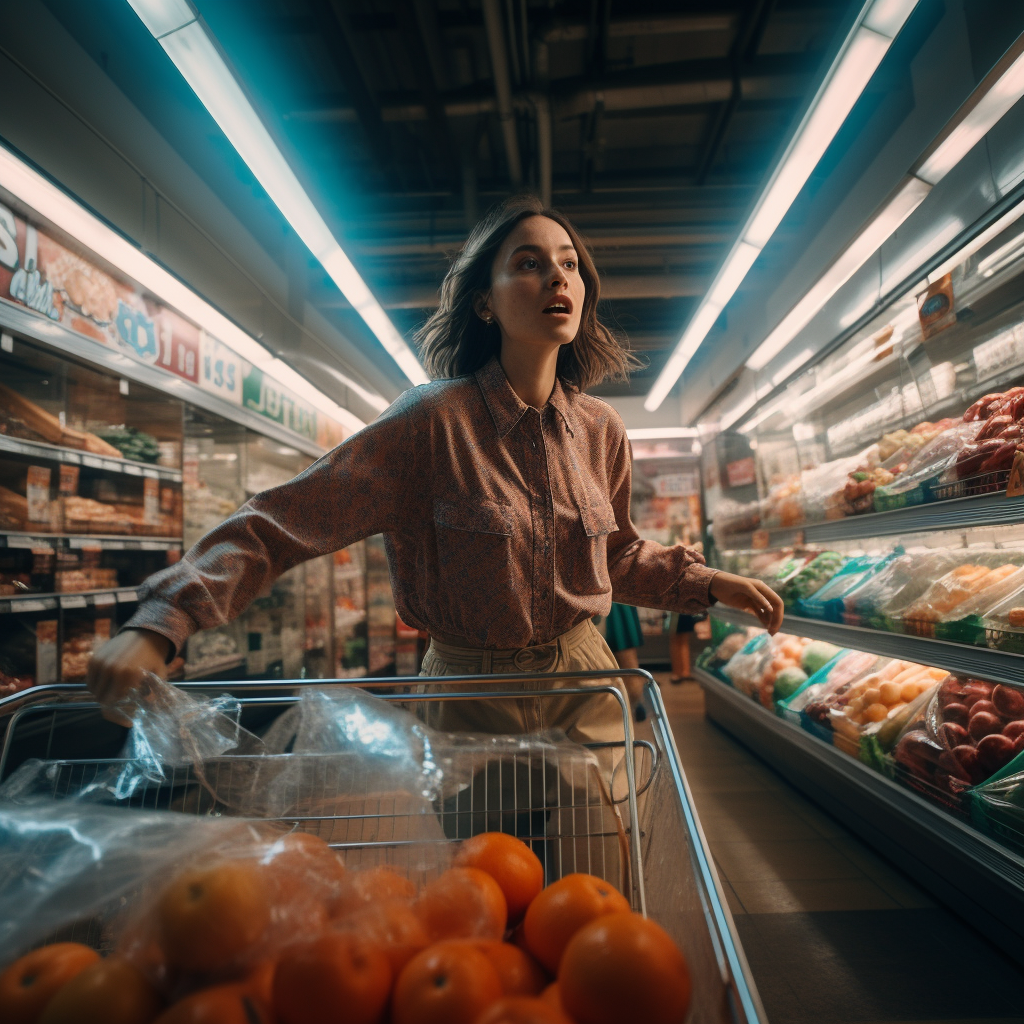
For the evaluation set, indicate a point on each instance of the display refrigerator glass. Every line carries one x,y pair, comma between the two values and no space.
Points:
275,623
380,610
350,633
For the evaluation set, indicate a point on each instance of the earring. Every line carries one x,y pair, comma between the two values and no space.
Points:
488,319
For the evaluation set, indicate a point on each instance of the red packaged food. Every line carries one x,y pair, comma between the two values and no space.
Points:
1002,458
982,407
968,462
993,425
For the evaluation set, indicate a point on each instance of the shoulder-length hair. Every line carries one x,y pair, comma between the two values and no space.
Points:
455,341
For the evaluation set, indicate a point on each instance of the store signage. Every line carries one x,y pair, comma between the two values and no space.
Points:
741,472
41,274
262,395
676,485
221,370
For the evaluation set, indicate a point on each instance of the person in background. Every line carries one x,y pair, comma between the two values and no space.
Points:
679,645
623,634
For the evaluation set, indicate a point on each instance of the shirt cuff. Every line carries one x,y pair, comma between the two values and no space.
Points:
165,618
695,585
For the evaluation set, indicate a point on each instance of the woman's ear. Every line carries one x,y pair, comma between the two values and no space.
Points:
481,307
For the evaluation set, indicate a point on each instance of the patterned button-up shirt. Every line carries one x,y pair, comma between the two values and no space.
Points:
505,525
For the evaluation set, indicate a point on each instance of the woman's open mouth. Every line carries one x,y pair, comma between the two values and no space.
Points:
560,307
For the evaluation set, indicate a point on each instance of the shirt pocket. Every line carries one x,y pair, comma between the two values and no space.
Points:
474,552
590,575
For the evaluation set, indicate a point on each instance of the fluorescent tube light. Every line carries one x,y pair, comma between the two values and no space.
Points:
659,433
975,124
907,198
200,63
858,58
88,230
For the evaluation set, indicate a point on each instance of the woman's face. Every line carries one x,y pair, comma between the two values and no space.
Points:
536,293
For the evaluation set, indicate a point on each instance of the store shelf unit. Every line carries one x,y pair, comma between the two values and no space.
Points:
83,599
957,514
995,666
75,457
979,879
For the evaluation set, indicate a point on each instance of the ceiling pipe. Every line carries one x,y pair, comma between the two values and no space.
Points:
503,88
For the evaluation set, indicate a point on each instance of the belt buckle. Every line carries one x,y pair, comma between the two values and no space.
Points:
535,659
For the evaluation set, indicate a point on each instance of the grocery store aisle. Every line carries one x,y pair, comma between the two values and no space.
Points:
833,934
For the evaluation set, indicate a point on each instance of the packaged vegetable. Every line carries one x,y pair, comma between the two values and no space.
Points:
787,682
817,655
827,602
846,665
811,577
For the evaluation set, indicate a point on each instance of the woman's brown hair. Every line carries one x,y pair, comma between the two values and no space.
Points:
455,341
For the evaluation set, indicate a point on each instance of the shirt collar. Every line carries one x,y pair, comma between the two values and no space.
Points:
507,408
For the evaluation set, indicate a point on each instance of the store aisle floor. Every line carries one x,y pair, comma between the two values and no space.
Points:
833,933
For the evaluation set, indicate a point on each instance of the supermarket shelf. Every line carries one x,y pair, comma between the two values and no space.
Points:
77,457
82,599
109,542
967,871
957,514
215,667
996,666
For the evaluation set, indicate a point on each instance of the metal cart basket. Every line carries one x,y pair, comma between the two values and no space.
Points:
633,823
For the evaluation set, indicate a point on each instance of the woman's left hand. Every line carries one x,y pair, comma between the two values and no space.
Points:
748,595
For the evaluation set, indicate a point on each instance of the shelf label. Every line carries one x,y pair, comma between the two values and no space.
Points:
151,474
1015,485
126,596
92,462
31,606
131,470
103,599
29,542
73,457
73,602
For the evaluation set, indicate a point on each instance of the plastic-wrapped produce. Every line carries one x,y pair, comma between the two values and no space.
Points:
1003,623
877,698
964,591
811,577
968,732
845,666
902,581
827,602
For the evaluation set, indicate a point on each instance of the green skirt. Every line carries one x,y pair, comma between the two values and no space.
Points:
622,631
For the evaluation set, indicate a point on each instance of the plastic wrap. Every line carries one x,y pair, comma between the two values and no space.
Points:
1003,623
759,666
827,602
967,732
876,699
973,586
814,575
899,583
836,672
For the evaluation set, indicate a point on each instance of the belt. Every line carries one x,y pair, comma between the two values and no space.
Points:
539,658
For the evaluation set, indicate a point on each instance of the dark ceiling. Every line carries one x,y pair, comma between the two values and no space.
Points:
651,122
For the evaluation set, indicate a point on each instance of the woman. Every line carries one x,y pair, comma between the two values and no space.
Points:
501,488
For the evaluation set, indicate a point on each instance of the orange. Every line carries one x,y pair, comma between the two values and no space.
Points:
336,973
28,984
522,1010
562,909
624,967
301,860
463,903
519,973
510,862
222,1004
448,983
374,885
210,918
109,991
393,926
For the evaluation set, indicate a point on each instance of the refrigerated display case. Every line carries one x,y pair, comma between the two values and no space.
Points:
882,498
350,633
381,617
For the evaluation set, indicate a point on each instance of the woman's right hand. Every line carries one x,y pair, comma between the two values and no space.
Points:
115,670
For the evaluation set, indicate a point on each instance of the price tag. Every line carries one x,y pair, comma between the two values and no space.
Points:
126,596
30,606
1015,485
760,539
153,474
92,462
73,602
28,542
132,470
103,599
114,467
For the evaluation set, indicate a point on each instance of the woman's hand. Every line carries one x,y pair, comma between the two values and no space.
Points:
115,670
748,596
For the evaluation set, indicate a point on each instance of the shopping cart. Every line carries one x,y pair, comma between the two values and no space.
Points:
636,827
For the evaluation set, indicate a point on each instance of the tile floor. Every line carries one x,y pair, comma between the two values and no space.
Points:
833,933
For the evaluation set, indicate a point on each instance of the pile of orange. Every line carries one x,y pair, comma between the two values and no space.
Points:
285,935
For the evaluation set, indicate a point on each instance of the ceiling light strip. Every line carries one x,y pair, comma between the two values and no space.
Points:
185,40
862,51
993,97
57,207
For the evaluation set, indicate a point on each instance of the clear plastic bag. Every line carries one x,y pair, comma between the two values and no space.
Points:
827,602
968,731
